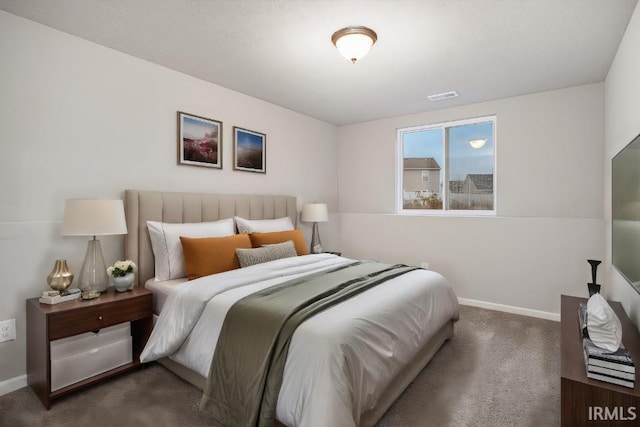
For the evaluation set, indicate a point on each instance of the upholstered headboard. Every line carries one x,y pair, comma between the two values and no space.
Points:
143,206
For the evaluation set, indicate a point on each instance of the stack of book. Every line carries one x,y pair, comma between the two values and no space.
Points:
616,368
55,297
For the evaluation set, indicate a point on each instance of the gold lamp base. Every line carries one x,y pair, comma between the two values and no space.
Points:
89,295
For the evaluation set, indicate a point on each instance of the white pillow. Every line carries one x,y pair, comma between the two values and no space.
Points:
167,249
263,225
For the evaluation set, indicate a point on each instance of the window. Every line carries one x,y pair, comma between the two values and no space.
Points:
447,167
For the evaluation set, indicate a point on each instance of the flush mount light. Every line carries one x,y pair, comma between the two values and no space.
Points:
477,143
354,42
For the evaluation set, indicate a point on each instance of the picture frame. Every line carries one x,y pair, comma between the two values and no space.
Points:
199,141
249,150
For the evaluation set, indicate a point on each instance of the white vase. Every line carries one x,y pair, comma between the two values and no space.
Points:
123,283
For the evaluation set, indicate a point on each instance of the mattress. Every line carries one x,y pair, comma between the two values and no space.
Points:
161,291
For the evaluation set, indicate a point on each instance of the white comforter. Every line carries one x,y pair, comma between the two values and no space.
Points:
339,360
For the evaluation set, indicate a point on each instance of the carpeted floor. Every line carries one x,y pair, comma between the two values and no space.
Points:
499,370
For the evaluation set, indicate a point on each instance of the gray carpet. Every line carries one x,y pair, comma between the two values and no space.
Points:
499,370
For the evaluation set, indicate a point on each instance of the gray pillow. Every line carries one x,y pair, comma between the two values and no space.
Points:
248,257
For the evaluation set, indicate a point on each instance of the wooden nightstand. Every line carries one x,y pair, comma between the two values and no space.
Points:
46,323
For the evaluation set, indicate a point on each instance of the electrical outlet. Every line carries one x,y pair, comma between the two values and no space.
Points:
8,330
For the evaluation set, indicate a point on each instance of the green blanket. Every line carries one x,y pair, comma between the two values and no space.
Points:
248,364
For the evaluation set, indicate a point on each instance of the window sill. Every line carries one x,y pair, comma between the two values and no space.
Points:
447,214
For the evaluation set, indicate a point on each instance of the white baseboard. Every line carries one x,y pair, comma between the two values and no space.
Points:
12,384
511,309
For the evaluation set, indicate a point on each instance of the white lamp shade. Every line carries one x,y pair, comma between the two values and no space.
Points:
314,212
354,46
93,218
354,42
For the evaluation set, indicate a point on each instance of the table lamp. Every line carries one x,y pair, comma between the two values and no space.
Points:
315,212
93,218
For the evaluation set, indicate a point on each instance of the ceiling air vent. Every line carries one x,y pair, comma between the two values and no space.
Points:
441,96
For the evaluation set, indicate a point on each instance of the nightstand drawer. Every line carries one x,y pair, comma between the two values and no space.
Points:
89,340
98,316
68,369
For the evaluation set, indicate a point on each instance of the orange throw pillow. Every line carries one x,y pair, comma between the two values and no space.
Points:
259,239
210,255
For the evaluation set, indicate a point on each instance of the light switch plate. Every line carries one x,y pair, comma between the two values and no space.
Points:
8,330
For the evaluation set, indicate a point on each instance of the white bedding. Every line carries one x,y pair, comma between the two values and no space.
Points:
339,360
161,290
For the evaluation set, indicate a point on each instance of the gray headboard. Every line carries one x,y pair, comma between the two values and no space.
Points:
143,206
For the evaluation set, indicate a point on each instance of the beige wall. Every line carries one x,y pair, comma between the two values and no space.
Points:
80,120
547,224
622,124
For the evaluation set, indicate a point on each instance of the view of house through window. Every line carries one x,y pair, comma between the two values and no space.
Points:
448,166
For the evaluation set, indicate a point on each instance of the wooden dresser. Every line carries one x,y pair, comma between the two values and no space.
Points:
578,393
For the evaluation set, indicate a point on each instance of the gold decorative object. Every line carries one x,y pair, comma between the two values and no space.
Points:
60,277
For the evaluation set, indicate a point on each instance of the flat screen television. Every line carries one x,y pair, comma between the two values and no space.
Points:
625,212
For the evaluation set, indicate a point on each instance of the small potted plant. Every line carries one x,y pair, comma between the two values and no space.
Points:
122,273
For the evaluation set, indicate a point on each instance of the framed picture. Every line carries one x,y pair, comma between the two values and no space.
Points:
249,150
199,141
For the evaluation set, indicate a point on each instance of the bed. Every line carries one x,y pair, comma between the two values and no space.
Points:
386,335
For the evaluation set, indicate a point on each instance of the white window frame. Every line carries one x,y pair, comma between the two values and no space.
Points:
424,176
445,190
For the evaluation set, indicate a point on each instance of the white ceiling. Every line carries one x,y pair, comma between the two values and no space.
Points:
280,50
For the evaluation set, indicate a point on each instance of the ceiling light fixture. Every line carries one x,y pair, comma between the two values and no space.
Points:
354,42
477,143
